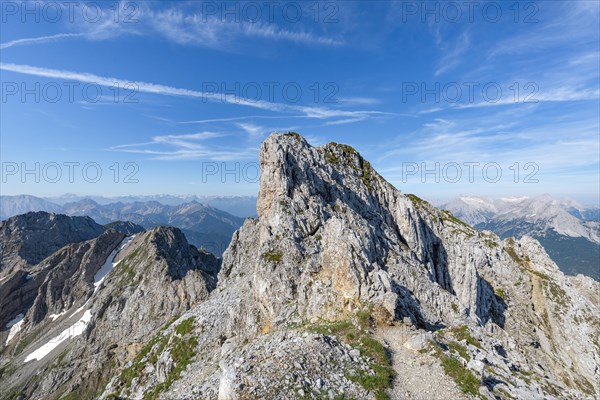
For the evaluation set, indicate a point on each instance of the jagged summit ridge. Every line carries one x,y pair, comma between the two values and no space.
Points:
328,206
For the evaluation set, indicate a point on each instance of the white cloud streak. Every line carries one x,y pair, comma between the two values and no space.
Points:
452,55
184,25
152,88
40,39
185,147
253,130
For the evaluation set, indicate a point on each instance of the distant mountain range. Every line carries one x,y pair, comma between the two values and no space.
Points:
569,232
241,206
203,225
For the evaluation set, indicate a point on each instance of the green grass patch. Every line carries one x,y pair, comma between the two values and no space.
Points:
500,293
367,174
460,349
331,158
585,386
525,375
357,337
7,370
27,340
558,295
293,134
523,262
462,333
273,256
347,152
169,323
539,274
363,317
448,216
125,270
138,365
182,349
183,352
504,394
185,326
93,385
417,201
466,381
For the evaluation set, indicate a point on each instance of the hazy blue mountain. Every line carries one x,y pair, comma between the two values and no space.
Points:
204,225
21,204
241,206
125,227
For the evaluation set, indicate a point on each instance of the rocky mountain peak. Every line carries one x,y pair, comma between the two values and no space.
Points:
328,211
29,238
170,245
289,164
126,227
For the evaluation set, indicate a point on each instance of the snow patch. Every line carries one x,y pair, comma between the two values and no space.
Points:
54,317
109,264
80,308
473,200
15,326
514,199
74,330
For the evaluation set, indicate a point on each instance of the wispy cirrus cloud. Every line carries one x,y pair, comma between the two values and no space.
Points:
40,39
357,100
190,24
566,25
246,117
253,130
193,28
159,89
181,23
507,138
452,53
560,94
186,147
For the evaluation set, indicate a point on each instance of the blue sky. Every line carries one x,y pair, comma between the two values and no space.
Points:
442,87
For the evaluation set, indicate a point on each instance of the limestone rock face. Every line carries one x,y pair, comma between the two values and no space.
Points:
63,280
154,277
333,235
29,238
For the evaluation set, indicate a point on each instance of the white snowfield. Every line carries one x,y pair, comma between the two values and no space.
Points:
74,330
109,264
14,325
